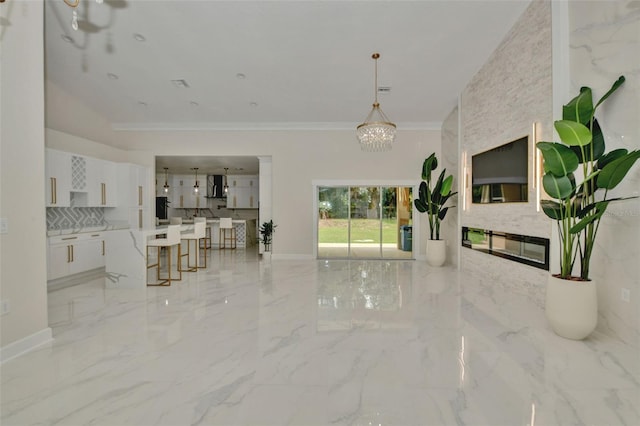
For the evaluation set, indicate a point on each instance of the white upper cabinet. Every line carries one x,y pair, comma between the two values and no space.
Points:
58,178
101,183
243,192
183,195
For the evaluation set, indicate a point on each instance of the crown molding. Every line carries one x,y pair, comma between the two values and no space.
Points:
311,126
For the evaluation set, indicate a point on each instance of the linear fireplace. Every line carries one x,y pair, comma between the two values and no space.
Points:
532,251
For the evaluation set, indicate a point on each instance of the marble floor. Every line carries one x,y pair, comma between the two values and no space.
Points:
247,342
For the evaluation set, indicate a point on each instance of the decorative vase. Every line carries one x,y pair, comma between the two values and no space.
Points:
266,256
436,252
571,307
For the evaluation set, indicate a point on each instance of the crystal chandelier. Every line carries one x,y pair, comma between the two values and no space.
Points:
74,17
377,132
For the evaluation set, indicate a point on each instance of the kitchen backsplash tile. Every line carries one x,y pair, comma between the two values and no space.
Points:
74,217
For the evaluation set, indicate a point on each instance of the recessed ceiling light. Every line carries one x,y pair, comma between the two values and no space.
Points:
67,38
253,104
194,104
180,84
240,76
112,76
384,89
139,37
142,104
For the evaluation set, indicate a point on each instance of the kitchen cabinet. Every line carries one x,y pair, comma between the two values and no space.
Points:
72,254
183,196
101,183
133,199
58,178
243,192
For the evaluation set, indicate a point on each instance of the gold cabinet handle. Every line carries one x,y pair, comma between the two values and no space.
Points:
103,188
181,200
140,219
70,238
139,195
53,189
68,254
103,247
72,254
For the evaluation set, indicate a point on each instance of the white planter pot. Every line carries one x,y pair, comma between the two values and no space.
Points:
571,307
266,256
436,252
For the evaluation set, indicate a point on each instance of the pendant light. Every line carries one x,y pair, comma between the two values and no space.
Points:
226,186
196,186
377,132
166,180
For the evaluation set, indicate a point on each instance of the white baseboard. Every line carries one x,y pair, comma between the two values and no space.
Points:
24,345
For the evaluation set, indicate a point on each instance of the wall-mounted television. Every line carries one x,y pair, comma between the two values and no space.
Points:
501,174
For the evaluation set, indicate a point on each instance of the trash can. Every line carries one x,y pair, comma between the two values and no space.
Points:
406,237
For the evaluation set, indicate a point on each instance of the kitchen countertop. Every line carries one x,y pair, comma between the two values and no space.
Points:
209,220
89,228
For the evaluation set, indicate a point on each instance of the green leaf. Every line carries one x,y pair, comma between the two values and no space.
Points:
430,164
614,87
443,213
601,207
551,208
597,145
422,207
614,172
572,133
580,108
559,159
559,187
446,186
610,156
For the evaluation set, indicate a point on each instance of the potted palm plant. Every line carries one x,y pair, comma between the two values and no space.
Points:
577,207
266,236
432,198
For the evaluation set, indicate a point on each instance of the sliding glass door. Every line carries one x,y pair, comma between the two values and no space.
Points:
364,222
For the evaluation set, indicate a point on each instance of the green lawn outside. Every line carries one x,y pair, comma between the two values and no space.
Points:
362,230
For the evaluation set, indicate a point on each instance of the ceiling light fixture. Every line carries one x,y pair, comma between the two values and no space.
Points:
226,186
74,17
377,132
166,180
196,186
139,37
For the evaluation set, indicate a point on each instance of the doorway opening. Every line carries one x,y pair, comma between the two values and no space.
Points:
364,222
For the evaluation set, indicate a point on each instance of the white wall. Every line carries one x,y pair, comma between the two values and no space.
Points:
298,158
23,280
511,91
604,43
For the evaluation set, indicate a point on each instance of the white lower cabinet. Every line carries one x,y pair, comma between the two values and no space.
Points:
72,254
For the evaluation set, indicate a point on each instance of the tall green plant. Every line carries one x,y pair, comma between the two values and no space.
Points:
578,207
432,198
266,231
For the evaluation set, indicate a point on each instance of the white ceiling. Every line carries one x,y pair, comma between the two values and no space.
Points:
307,64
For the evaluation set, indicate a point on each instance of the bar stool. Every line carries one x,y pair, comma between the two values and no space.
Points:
207,234
226,224
196,236
172,239
176,220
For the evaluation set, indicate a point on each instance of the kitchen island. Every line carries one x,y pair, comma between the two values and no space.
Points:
125,254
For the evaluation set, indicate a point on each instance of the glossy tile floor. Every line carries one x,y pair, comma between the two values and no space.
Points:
314,343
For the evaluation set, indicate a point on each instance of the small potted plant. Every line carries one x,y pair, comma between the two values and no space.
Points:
266,236
577,207
431,200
